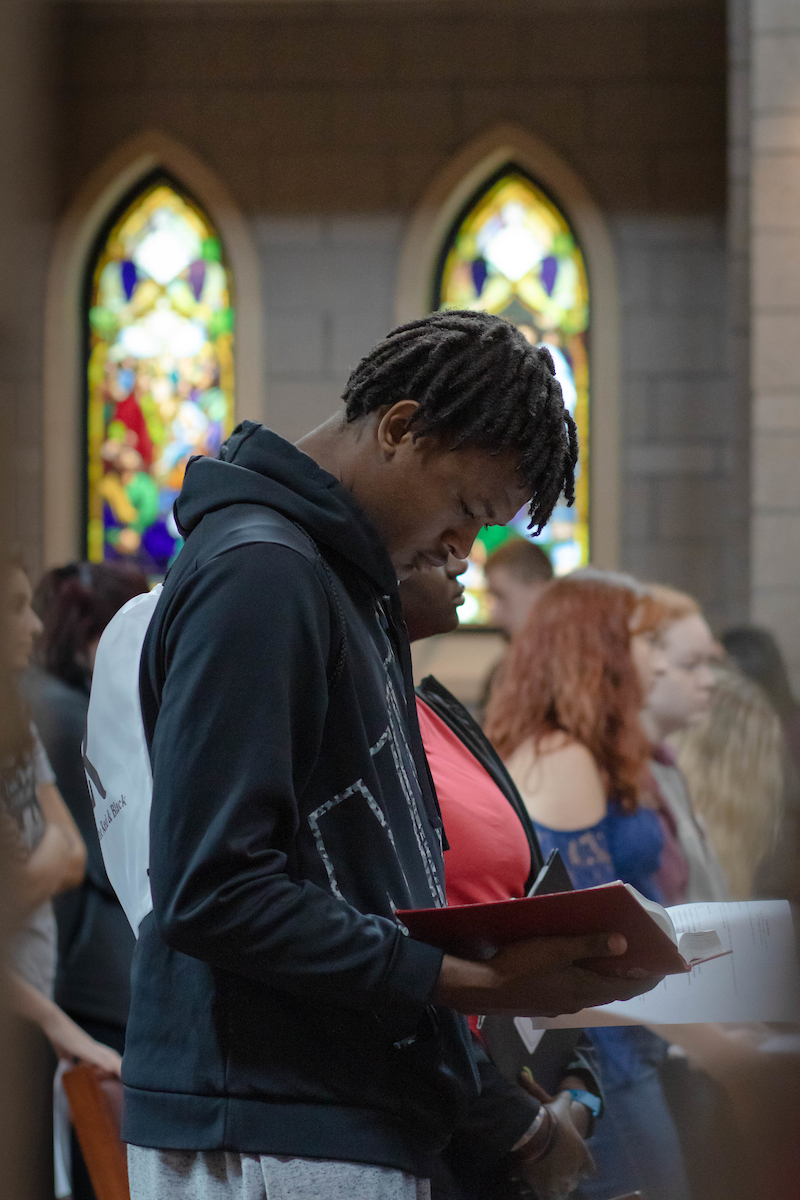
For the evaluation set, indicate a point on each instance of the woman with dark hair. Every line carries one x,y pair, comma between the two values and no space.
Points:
758,656
565,719
75,603
95,941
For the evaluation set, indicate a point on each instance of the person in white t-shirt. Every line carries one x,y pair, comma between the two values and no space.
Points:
40,838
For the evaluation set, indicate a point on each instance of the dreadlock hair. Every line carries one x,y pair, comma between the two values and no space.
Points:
478,382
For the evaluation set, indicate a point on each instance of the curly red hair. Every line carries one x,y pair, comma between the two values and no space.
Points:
571,669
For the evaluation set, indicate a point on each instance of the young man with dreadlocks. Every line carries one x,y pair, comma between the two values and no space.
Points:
286,1038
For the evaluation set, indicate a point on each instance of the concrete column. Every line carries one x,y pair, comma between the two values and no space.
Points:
737,578
775,320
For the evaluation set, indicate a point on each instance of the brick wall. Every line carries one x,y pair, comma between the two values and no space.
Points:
327,121
351,107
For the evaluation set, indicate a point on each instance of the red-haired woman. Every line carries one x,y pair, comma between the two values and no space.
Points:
565,718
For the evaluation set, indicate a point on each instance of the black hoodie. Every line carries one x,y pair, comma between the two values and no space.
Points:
277,1005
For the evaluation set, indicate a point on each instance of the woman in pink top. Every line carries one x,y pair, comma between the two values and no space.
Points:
494,855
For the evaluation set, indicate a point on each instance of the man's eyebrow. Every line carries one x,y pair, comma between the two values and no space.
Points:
489,511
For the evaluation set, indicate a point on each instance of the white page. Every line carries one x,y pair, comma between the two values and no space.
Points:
759,981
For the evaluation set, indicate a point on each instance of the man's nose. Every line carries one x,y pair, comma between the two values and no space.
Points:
460,541
459,544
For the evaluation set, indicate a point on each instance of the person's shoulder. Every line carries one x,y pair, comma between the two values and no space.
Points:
248,598
560,782
243,527
555,752
46,691
250,572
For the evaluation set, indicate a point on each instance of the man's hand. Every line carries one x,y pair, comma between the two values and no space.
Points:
561,1169
537,978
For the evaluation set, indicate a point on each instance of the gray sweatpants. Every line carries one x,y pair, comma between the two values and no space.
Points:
222,1175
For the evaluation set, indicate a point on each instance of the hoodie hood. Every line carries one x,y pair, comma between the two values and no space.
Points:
258,467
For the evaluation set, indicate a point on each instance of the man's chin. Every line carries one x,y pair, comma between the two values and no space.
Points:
421,561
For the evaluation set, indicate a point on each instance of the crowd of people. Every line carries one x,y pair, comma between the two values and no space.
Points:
283,1036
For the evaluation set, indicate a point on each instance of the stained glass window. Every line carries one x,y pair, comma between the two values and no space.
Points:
514,254
159,371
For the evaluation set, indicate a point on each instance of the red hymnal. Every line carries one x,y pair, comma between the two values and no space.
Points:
477,931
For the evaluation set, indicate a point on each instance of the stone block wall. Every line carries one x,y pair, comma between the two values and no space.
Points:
328,286
684,519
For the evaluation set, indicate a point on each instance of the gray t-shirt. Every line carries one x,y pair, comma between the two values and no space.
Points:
34,949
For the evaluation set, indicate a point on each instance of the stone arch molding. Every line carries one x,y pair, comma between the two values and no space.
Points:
445,198
63,383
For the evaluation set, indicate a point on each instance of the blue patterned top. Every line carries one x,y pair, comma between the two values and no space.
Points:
627,847
621,846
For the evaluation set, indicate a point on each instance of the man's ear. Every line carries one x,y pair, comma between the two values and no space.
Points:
393,427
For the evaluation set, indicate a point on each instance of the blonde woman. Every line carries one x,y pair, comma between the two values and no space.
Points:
733,762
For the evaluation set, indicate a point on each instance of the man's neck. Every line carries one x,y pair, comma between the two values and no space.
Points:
332,446
346,451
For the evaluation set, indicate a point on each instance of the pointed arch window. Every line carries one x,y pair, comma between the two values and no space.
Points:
512,252
159,320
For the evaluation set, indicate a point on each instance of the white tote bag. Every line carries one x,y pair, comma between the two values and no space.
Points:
116,758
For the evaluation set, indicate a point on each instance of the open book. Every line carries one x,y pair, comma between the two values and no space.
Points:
757,981
694,946
477,931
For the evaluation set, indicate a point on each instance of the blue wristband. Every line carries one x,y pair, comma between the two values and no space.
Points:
590,1101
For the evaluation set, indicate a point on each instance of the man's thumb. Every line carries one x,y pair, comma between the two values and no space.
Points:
600,945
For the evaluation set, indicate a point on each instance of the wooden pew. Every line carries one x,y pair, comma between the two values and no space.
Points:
95,1102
